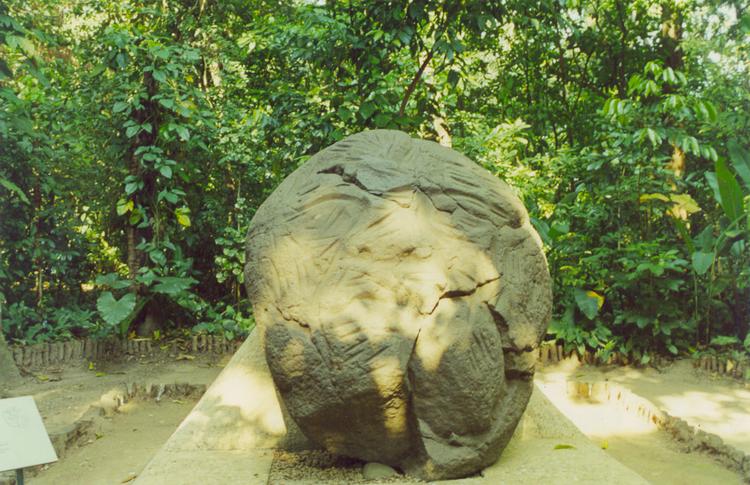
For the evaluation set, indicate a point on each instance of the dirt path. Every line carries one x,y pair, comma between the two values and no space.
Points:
705,402
122,446
121,438
64,394
714,404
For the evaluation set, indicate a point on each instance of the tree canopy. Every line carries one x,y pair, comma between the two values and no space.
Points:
138,137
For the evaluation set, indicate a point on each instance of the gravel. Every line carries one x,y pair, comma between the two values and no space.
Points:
321,467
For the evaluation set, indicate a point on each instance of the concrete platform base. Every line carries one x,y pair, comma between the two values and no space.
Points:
231,434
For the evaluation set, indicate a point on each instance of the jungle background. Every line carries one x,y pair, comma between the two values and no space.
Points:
137,138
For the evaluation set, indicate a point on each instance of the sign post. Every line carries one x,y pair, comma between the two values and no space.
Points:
24,441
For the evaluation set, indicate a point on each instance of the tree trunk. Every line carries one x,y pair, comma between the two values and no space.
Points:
671,34
146,197
9,374
671,37
38,231
441,128
412,86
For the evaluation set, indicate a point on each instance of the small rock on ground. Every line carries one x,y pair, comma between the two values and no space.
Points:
376,471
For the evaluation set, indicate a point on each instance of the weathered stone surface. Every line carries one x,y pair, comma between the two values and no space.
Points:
401,292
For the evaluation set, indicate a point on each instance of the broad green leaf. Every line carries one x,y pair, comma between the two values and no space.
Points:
559,228
170,197
692,145
705,239
655,269
131,131
542,228
702,111
668,75
160,76
731,193
344,113
382,120
685,203
100,68
589,302
183,216
119,106
135,217
714,184
166,171
183,132
740,161
183,220
702,261
114,311
124,206
27,46
724,340
112,280
712,111
167,103
172,285
738,248
653,137
158,256
655,196
106,279
367,109
146,278
15,189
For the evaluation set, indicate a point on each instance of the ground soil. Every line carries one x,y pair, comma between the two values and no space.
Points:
706,402
120,444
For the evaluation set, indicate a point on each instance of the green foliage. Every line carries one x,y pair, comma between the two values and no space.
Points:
115,311
30,325
138,138
230,322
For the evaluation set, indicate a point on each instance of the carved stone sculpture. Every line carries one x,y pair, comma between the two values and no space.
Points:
402,293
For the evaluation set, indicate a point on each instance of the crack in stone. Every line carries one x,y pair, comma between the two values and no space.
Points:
409,378
453,294
353,180
349,179
515,374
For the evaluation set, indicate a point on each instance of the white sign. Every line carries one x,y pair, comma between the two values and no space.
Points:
23,439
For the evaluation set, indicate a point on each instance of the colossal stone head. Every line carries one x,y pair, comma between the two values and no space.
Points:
401,293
